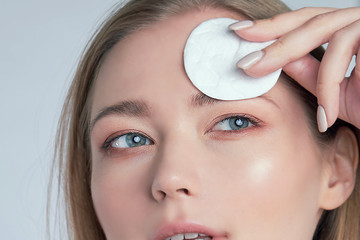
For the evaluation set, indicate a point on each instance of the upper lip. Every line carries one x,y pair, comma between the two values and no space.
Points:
170,229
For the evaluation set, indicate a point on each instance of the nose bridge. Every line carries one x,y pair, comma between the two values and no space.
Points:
176,172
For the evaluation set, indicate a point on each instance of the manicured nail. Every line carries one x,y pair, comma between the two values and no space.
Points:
321,119
250,60
241,25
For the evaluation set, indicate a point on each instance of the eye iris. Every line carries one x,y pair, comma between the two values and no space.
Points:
134,140
238,123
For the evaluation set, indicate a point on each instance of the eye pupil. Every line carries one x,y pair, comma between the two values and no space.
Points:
239,122
136,139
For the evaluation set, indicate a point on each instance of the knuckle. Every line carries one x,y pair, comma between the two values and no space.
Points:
339,36
314,11
321,87
318,19
319,23
279,44
307,10
344,41
273,19
280,48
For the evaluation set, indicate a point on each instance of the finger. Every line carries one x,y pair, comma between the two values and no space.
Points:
342,46
350,97
299,42
273,28
304,71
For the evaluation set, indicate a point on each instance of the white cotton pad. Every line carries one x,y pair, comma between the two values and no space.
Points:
210,57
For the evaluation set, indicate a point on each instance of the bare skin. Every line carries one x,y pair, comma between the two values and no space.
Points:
298,33
186,163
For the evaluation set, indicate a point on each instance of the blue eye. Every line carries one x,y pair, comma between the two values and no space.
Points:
128,140
233,123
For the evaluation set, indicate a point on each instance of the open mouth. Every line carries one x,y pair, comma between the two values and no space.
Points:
191,236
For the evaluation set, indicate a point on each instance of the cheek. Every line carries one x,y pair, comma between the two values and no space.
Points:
119,204
271,182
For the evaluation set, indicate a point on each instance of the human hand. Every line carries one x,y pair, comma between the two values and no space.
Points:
298,33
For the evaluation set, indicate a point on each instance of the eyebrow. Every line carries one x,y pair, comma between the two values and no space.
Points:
128,108
200,100
139,108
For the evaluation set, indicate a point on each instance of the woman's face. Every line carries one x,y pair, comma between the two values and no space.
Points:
166,159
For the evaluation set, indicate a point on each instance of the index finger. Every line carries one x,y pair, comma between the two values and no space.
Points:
273,28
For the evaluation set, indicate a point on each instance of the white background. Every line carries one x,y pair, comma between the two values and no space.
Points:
40,44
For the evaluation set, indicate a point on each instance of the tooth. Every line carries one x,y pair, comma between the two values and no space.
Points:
191,235
178,237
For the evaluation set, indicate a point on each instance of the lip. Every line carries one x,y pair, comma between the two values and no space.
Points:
170,229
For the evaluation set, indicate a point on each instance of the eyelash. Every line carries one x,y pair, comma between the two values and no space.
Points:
254,122
107,144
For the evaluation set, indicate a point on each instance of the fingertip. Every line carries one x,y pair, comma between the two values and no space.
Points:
321,119
241,25
250,60
252,31
328,95
255,65
327,114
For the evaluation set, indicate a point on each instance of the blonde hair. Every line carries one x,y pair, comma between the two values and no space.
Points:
72,153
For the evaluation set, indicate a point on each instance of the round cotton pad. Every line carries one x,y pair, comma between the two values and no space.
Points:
210,57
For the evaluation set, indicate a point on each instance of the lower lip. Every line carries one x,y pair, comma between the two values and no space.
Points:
169,229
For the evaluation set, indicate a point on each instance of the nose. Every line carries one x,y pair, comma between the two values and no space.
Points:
176,173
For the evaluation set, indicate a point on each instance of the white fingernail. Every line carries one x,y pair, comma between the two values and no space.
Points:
321,119
241,25
250,60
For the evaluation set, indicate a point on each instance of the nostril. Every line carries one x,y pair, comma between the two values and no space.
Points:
159,195
183,190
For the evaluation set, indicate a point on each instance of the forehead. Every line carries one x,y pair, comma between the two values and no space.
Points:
149,57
